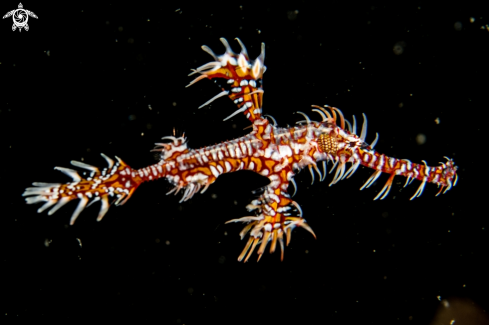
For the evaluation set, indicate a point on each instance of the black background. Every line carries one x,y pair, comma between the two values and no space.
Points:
111,78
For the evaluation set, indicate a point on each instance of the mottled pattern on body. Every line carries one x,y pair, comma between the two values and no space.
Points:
271,151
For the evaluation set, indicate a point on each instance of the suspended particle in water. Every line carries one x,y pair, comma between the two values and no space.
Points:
399,47
421,139
292,14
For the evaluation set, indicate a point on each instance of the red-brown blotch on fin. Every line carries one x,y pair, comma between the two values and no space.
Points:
243,78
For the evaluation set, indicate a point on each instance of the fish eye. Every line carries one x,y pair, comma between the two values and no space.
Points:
327,143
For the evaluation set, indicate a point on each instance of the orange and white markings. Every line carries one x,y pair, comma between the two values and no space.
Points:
271,151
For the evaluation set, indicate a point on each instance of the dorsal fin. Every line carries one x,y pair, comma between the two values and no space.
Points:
244,78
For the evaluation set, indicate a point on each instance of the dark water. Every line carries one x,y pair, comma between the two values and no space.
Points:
109,78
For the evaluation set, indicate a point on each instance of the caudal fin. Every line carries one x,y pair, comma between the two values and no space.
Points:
117,181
